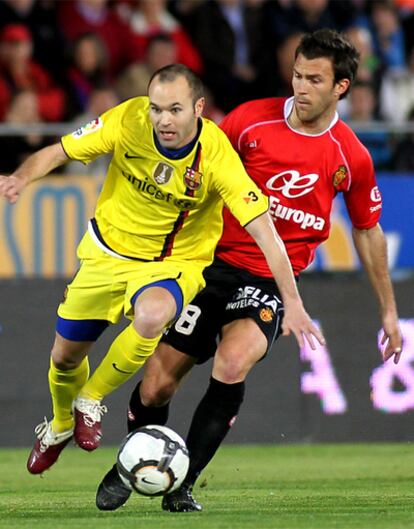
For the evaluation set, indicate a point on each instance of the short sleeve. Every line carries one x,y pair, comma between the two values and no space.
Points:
363,198
94,138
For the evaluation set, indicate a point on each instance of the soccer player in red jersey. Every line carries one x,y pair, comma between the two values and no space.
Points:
301,155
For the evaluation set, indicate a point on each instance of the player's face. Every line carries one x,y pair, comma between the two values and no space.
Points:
173,113
316,93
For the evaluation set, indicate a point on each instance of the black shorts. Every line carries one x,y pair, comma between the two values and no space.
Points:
230,294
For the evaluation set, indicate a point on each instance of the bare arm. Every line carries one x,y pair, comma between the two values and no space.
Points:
36,166
372,250
295,319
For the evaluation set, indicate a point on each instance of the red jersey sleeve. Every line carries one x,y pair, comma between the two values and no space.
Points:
363,198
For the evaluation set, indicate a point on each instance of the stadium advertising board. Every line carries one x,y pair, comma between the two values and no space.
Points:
39,235
339,392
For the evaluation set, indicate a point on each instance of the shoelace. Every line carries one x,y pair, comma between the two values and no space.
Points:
92,413
40,431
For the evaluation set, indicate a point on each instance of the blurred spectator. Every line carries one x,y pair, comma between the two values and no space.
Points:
370,67
88,70
363,106
285,54
100,100
388,34
403,159
408,26
397,92
77,17
369,64
236,54
19,72
40,17
183,9
151,17
211,110
302,16
23,110
160,50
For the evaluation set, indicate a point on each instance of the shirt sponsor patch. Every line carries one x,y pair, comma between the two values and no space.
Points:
163,173
90,127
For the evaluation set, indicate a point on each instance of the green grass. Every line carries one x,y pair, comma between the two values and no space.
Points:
367,486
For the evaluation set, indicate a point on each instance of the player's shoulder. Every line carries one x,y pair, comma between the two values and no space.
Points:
212,136
132,110
349,142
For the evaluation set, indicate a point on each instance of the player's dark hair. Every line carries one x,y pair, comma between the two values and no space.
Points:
335,46
172,71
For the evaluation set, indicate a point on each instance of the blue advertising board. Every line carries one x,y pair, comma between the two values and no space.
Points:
397,221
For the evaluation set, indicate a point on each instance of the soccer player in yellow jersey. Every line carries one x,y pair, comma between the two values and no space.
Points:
157,222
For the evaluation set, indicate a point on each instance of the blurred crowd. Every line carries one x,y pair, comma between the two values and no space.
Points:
70,60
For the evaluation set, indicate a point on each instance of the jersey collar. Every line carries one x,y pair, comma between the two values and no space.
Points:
182,152
288,107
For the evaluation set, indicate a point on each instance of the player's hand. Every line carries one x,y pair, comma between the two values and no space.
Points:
298,322
391,340
11,187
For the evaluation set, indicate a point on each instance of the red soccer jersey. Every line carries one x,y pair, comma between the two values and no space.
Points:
301,174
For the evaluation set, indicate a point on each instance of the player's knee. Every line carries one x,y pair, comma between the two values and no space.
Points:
150,321
157,395
232,366
63,360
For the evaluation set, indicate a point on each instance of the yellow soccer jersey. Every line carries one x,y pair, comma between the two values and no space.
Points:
152,207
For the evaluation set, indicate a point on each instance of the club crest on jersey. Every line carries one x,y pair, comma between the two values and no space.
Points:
266,314
90,127
192,178
339,176
163,173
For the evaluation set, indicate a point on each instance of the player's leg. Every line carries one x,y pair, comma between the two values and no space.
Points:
251,322
191,339
69,370
149,401
91,302
164,373
154,307
241,346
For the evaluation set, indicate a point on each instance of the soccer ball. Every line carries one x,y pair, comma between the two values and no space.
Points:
153,460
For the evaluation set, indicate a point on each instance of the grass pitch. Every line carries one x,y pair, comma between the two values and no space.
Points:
367,486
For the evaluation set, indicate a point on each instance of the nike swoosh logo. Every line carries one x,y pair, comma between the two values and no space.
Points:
129,156
120,370
148,482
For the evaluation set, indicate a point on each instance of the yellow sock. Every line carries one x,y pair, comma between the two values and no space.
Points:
127,354
64,387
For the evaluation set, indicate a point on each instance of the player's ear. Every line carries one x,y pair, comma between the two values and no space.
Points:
199,107
341,87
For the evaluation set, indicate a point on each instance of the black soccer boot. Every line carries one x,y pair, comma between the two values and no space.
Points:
111,493
181,500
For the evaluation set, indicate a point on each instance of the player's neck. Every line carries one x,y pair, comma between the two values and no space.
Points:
314,127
